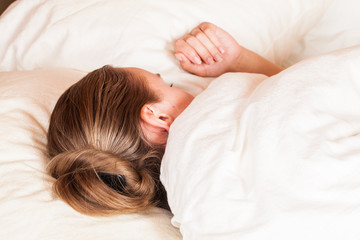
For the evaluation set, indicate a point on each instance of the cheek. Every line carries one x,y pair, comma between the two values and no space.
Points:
184,99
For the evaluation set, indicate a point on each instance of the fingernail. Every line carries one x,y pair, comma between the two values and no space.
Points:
179,57
197,60
218,58
221,50
210,60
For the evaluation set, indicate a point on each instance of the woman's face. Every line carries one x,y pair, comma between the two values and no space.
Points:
175,100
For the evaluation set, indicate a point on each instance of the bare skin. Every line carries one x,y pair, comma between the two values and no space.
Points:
209,51
206,51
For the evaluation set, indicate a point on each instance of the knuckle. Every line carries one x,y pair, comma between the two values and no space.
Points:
198,35
194,31
178,43
189,38
205,25
207,30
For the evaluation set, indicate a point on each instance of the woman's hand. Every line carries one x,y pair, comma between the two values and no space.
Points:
209,51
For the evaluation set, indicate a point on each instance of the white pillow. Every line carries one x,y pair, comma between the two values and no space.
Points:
277,162
334,31
28,209
87,34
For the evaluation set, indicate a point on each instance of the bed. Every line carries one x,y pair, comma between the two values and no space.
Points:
278,158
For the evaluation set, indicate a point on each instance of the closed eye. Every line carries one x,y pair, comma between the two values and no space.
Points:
158,74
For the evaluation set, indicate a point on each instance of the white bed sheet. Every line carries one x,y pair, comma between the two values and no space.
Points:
278,162
91,33
338,28
42,34
28,209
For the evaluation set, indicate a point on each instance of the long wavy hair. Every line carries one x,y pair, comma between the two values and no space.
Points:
95,130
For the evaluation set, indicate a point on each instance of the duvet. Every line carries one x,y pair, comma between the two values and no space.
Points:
270,158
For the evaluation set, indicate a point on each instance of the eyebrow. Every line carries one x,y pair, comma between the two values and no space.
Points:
158,74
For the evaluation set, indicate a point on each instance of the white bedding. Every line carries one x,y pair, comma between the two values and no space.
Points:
91,33
278,162
339,28
27,208
46,45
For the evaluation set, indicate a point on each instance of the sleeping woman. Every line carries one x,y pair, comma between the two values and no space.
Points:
108,132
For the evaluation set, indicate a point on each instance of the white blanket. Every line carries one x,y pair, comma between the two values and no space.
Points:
86,34
279,162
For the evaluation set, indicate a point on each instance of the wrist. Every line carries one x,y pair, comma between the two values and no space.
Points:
244,60
249,61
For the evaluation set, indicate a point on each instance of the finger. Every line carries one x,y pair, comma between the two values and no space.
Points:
201,50
208,44
182,58
197,69
183,47
210,31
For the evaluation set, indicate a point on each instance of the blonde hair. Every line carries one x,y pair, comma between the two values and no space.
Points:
95,128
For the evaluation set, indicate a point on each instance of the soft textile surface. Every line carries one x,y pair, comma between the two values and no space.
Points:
84,35
279,162
87,34
338,28
28,210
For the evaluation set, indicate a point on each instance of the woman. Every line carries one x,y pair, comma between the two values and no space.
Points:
108,132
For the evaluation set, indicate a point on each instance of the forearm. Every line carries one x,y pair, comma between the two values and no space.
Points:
209,51
251,62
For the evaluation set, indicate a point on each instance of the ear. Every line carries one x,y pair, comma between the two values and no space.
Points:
155,124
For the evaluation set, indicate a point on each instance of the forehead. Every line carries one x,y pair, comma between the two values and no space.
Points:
138,71
151,78
136,75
